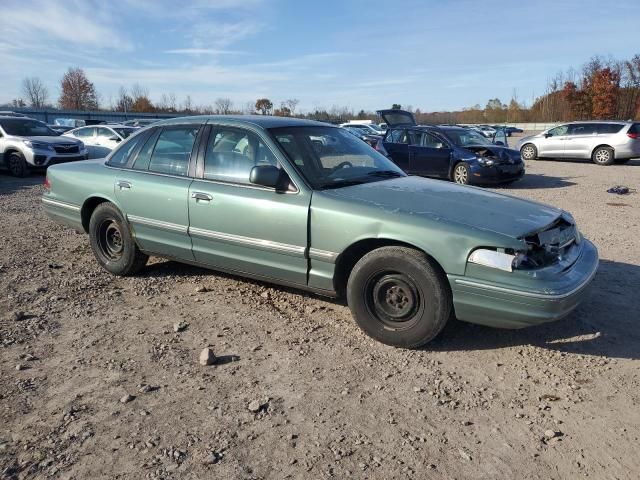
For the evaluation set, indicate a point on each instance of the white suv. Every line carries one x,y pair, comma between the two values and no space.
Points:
26,143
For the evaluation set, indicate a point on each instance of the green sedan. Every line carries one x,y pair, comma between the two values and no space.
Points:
309,205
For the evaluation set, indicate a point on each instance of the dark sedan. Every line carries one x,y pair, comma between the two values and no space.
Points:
448,152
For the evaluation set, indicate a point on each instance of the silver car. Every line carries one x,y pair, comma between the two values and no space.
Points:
604,142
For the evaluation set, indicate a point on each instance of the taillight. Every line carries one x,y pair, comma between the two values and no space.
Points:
635,136
47,184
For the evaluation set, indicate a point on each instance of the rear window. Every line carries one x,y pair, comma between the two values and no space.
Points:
635,128
609,127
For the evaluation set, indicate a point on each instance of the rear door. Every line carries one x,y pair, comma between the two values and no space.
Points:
428,155
239,226
154,191
580,140
396,143
552,145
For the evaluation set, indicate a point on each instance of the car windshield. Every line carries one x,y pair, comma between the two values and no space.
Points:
466,138
124,132
24,127
330,157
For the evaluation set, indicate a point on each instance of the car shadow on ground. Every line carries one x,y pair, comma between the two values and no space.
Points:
10,184
635,162
532,181
606,324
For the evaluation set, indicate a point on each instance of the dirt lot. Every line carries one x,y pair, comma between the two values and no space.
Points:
298,391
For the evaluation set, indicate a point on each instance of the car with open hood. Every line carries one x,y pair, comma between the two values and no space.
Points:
448,152
309,205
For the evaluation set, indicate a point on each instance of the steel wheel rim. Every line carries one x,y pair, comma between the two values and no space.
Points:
602,156
527,152
393,300
460,175
110,240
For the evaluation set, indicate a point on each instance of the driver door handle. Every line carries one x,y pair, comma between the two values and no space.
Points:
123,184
201,196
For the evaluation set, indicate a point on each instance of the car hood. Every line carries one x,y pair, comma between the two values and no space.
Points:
442,201
505,154
63,139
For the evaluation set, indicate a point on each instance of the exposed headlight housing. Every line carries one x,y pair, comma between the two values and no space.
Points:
37,145
485,162
493,259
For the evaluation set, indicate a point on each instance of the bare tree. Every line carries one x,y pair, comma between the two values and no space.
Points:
223,106
188,104
124,102
35,92
291,104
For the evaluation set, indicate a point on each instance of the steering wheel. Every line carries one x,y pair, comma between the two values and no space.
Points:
342,165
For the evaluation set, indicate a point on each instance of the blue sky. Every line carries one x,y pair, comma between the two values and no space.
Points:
433,55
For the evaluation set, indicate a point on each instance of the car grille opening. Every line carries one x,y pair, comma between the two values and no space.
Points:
67,148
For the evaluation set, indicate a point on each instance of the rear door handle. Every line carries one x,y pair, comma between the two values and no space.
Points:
123,184
202,196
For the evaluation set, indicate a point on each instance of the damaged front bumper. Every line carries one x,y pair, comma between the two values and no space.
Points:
529,301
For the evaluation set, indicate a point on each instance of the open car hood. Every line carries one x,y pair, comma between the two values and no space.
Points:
393,118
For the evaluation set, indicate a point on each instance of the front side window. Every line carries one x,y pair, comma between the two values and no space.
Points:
330,157
120,155
105,132
172,151
431,141
232,153
26,127
558,131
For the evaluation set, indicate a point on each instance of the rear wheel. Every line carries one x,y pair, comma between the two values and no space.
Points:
399,297
461,173
17,165
603,156
112,242
529,151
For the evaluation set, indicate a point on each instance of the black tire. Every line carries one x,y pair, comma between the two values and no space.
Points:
603,156
17,165
461,173
529,151
621,161
399,297
112,242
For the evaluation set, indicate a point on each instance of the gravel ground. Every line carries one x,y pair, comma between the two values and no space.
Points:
98,381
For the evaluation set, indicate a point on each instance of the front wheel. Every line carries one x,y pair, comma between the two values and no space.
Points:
461,174
112,242
18,165
603,156
399,297
529,152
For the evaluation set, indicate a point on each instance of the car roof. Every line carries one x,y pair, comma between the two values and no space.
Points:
262,121
628,122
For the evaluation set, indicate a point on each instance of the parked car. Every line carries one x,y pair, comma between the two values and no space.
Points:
459,154
27,144
101,139
368,128
69,122
508,130
485,130
371,140
139,122
308,205
604,142
59,129
8,113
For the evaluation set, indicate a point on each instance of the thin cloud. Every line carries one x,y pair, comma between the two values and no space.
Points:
203,51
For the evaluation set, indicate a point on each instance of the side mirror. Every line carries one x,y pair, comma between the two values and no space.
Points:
547,135
269,176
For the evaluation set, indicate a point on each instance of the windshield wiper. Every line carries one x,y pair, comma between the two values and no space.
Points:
385,173
341,183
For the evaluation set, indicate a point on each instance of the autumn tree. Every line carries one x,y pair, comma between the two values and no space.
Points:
35,92
223,106
77,92
264,106
396,106
605,86
283,111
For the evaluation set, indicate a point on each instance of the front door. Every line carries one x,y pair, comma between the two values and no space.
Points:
553,145
429,155
154,193
238,226
580,140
